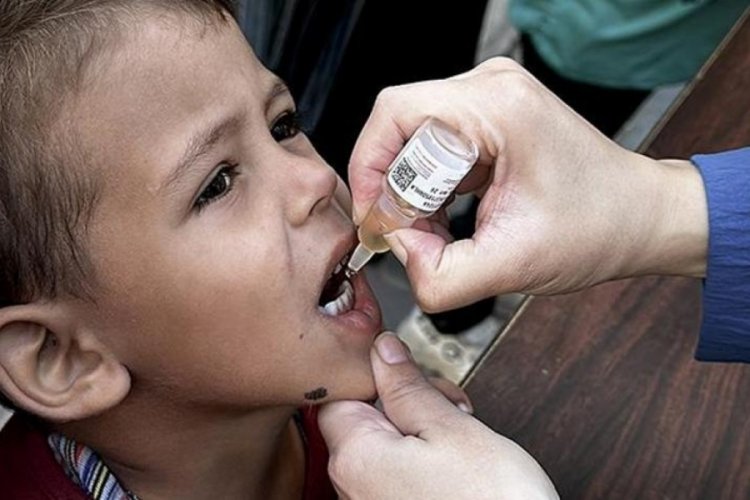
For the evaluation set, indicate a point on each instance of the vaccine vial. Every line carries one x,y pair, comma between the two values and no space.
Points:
423,175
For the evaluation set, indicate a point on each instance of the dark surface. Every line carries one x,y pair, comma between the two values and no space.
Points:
605,108
394,42
601,385
715,114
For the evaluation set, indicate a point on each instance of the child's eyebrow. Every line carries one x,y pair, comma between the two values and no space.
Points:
278,89
202,142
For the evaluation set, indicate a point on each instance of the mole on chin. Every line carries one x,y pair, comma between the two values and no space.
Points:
316,394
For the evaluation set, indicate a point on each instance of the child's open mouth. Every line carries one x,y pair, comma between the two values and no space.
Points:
338,293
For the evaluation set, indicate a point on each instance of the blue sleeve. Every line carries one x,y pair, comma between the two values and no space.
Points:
725,327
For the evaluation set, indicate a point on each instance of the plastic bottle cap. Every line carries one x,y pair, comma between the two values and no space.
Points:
359,258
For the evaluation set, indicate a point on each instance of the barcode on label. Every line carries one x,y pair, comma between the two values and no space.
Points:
403,174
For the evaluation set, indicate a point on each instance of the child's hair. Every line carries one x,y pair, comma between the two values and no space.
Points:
46,200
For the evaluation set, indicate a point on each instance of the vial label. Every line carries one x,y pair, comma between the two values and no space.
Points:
420,179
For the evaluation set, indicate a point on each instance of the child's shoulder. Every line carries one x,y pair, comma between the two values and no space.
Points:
28,468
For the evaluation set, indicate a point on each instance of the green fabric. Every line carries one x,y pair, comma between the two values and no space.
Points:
636,44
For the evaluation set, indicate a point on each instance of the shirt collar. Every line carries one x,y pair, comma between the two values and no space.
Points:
84,467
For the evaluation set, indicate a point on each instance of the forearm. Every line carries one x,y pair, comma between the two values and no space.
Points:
680,240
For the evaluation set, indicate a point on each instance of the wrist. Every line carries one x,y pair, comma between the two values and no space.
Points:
678,240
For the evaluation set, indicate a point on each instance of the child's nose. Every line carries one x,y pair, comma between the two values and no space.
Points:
310,189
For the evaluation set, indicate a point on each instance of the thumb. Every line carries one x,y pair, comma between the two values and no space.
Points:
443,275
392,121
409,401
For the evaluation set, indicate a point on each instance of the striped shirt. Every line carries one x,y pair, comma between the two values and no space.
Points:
84,467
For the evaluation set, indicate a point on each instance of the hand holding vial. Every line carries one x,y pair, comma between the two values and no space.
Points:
562,207
417,183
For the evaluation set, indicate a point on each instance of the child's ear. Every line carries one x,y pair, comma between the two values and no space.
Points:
55,369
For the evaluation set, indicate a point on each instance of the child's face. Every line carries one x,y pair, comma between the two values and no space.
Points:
211,272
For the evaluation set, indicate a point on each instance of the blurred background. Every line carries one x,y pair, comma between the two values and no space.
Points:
336,55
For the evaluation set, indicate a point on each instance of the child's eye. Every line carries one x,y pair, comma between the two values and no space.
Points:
286,126
219,186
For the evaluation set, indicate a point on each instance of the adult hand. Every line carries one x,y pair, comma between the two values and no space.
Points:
562,208
424,446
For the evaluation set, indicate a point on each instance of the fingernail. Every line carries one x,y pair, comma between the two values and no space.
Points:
391,349
465,408
396,247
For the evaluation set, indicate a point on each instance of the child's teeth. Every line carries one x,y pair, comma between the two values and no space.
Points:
338,268
341,304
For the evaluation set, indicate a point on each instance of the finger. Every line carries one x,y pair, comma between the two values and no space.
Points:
397,113
409,401
341,422
391,123
445,275
454,393
357,436
435,224
477,179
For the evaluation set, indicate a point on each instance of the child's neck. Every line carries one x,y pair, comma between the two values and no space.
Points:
162,456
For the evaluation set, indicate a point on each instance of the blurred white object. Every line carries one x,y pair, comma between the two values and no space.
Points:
498,37
452,356
4,416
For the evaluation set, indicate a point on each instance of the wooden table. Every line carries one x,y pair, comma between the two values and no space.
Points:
601,386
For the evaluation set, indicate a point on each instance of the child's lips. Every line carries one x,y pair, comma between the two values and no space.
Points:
364,317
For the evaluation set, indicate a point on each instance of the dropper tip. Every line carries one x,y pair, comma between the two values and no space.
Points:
358,259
